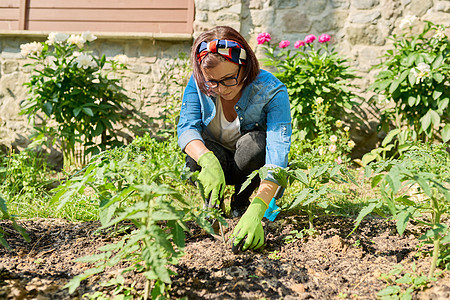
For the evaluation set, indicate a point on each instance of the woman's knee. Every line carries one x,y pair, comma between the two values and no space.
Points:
251,151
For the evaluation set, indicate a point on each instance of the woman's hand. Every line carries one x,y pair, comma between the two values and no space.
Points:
249,233
211,179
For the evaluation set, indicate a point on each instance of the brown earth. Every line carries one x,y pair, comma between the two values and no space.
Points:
329,265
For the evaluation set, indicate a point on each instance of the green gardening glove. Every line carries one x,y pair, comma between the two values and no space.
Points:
249,233
211,179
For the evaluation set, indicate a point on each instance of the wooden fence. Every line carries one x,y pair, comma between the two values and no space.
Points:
156,16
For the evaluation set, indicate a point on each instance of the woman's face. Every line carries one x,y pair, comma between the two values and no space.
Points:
221,72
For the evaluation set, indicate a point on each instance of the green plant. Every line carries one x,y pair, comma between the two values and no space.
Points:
24,175
342,295
275,255
414,79
415,186
138,184
295,235
314,179
402,284
330,144
6,216
310,73
174,78
73,97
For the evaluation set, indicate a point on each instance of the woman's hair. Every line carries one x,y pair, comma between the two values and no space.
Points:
251,68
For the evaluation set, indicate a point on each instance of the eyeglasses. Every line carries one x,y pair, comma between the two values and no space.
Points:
230,81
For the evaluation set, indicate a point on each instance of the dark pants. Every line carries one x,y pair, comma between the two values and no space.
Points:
250,155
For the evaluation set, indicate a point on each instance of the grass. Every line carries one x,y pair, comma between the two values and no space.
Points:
80,208
85,207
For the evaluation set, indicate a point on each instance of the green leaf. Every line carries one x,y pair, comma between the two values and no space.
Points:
393,181
161,215
443,104
3,208
21,230
376,179
4,243
88,111
438,77
301,176
412,78
363,213
98,129
411,100
300,197
178,234
446,133
390,136
437,93
74,283
424,185
437,61
405,279
380,85
435,118
394,86
76,111
390,290
426,120
369,157
48,108
402,221
385,74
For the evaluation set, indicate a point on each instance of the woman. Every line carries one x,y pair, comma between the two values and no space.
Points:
234,119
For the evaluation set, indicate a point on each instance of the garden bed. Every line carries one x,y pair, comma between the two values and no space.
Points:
329,265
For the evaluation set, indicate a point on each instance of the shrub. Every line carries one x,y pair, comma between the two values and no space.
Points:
414,78
74,94
311,72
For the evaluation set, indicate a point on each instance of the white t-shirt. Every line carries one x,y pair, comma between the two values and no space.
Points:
222,131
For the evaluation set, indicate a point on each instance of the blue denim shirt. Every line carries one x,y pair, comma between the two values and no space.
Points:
263,106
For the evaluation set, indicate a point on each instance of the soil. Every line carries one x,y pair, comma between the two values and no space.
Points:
328,265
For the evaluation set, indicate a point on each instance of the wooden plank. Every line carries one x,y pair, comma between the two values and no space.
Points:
108,27
9,14
9,3
109,15
190,16
105,4
9,25
22,14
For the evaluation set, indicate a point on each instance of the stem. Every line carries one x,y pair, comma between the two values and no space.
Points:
146,289
148,223
436,216
436,249
310,216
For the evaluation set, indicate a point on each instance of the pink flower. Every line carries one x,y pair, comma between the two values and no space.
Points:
310,38
338,160
299,44
284,44
332,148
263,37
324,38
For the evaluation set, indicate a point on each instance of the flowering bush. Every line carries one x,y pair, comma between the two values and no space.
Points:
414,77
72,89
310,74
332,144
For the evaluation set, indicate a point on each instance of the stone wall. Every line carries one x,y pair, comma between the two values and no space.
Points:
148,59
359,28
